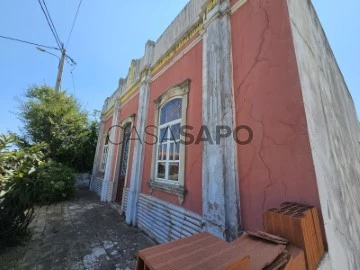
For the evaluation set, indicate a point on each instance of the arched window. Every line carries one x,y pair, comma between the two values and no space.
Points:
168,162
168,148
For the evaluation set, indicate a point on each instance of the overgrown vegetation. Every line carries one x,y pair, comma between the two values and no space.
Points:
27,178
37,167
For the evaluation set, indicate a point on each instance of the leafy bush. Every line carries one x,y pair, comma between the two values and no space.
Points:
27,179
54,182
16,208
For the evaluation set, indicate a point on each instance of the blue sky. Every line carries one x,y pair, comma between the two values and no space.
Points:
108,34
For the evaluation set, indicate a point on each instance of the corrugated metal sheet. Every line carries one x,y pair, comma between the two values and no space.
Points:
125,200
109,191
96,185
164,221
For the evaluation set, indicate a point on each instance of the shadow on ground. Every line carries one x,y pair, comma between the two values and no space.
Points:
80,234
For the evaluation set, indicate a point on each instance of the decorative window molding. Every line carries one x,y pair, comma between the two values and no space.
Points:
165,181
104,154
177,190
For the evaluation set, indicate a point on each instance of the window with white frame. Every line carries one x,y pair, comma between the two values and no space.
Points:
104,155
168,148
168,162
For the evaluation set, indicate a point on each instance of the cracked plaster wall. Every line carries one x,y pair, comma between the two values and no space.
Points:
188,67
277,165
334,135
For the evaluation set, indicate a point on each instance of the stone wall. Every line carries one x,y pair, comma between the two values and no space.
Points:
82,180
334,135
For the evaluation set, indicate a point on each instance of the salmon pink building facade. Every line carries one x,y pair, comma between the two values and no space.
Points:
238,107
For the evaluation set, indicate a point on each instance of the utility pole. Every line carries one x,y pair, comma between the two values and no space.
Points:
61,64
60,68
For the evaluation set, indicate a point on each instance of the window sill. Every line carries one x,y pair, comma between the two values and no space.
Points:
175,189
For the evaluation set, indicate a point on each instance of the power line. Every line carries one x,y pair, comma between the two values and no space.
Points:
49,23
73,63
73,80
52,23
28,42
72,28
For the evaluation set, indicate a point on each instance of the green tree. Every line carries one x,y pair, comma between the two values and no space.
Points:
85,148
27,179
57,119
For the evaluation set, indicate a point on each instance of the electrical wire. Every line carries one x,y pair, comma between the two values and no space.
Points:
73,81
72,60
28,42
72,27
52,23
49,23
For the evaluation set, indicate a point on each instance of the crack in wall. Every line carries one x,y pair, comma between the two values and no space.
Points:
251,164
257,58
261,155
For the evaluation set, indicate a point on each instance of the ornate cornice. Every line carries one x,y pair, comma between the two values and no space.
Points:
211,4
